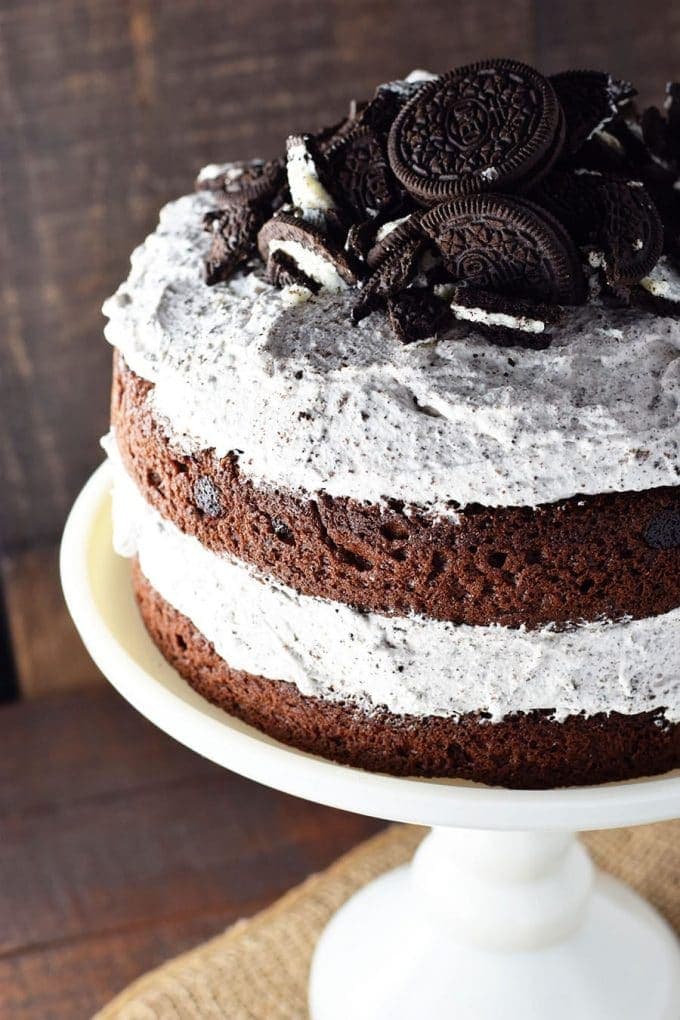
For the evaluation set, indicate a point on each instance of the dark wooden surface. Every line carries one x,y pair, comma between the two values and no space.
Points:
107,110
120,849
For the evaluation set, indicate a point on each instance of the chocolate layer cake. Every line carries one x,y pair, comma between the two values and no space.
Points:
395,432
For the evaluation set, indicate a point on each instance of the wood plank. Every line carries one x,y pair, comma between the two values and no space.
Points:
48,653
636,41
169,851
98,747
120,848
72,980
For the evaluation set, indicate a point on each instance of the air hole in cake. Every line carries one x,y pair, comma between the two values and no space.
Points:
438,565
533,556
353,559
153,479
586,586
394,532
178,467
181,643
497,559
398,554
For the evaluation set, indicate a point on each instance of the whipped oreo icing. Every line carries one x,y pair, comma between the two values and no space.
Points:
310,402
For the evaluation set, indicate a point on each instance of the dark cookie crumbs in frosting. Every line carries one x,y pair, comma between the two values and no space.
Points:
519,171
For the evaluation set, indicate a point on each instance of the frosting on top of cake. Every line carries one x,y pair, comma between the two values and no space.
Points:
310,402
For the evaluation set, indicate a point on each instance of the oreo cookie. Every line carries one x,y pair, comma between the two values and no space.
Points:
283,271
590,100
314,254
573,197
234,237
663,531
417,314
614,216
631,231
391,235
359,175
508,246
506,321
252,182
394,265
483,127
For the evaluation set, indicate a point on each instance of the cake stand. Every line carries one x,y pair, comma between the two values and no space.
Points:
501,914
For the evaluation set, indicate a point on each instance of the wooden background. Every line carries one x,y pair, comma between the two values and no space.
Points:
107,110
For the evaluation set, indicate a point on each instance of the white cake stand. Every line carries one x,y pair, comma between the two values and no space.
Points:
501,915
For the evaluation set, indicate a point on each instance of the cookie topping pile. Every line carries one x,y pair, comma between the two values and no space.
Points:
490,194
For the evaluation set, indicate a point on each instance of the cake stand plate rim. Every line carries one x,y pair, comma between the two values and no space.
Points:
97,590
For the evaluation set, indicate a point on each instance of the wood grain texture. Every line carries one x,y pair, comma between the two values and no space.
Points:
107,110
48,653
120,848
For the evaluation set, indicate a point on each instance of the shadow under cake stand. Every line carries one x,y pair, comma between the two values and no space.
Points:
500,916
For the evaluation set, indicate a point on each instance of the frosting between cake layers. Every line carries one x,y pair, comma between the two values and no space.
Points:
312,403
412,665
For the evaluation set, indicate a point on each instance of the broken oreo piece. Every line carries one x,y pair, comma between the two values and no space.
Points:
663,531
359,175
307,191
234,237
394,262
631,232
417,314
483,127
313,254
505,321
590,100
508,246
283,271
254,181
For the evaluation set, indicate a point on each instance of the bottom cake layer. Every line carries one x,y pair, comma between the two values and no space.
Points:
528,750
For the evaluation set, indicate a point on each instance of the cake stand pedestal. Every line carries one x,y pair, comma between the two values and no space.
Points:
501,914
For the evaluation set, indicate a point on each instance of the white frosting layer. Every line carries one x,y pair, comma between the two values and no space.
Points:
412,666
314,403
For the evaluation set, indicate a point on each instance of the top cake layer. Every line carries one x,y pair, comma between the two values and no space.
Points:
311,402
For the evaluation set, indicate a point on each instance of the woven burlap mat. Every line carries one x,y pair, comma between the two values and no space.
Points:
257,970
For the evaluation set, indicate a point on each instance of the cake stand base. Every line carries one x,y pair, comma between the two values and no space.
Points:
496,926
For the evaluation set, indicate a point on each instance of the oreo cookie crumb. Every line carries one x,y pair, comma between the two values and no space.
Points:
663,531
417,314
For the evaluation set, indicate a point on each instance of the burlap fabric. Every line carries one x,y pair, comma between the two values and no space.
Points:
257,970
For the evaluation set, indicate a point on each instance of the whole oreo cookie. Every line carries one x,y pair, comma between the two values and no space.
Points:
508,246
254,181
484,127
590,100
417,314
359,175
314,254
394,266
234,236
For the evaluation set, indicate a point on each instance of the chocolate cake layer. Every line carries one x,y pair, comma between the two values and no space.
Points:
583,558
523,750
